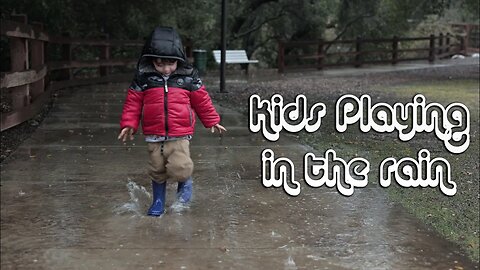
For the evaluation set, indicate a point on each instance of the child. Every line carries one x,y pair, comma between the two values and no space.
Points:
165,93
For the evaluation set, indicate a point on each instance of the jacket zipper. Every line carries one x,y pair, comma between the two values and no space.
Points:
165,104
190,115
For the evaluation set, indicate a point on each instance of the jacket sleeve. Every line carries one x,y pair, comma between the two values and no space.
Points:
132,109
202,104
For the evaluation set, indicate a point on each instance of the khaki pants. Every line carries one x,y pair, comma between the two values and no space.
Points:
170,160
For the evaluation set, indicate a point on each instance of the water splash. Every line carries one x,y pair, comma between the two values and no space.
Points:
139,201
290,264
178,207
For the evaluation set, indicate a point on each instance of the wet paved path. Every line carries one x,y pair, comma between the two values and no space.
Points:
71,198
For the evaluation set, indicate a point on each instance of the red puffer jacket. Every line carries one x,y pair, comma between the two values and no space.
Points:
168,108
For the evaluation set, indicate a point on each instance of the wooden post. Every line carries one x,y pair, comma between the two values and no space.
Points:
447,44
320,55
462,45
440,44
188,49
104,55
66,56
19,62
467,38
37,49
281,57
431,52
358,50
395,50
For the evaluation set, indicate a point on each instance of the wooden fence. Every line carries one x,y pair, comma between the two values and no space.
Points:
469,35
320,54
32,79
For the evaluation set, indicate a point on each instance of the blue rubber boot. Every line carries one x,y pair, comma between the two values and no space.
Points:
184,191
158,204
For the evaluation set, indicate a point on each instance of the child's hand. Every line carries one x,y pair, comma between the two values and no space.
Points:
219,128
126,132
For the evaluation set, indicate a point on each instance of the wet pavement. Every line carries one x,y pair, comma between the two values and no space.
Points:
73,197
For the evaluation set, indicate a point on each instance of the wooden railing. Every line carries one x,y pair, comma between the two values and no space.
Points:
320,54
470,37
31,79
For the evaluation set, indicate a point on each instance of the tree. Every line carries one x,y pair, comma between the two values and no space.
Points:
253,25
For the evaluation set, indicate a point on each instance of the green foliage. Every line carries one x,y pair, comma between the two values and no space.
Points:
432,25
375,18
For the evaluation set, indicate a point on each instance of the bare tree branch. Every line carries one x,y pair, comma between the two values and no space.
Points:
259,45
344,30
251,30
239,21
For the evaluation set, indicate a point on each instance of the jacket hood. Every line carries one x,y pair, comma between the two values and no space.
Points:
163,42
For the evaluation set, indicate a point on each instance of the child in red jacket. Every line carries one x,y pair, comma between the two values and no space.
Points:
165,94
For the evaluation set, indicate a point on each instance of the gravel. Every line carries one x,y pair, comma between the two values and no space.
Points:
13,137
329,89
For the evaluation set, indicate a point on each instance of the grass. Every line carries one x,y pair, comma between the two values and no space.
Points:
456,218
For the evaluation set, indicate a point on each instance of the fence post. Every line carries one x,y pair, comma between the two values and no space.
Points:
105,55
447,44
394,50
467,38
358,48
19,62
37,50
320,55
440,44
431,52
66,56
281,56
188,49
462,48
